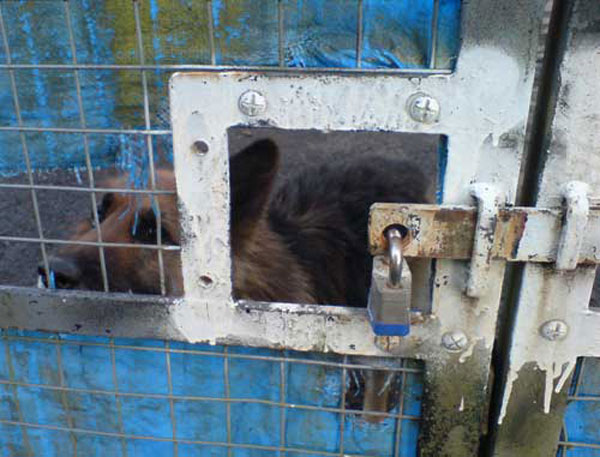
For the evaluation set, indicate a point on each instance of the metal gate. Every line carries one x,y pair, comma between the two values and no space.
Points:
104,373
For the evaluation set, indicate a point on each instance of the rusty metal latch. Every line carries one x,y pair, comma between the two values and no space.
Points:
566,236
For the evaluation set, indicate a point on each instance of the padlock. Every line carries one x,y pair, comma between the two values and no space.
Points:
390,292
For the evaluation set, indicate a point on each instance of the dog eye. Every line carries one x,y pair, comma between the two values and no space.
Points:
144,229
102,209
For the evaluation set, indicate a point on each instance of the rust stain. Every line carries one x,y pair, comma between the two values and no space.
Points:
515,232
454,232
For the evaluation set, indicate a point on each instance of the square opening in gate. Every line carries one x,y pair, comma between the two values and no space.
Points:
300,204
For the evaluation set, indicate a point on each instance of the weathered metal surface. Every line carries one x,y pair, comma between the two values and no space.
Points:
521,234
487,53
332,103
87,313
488,199
481,105
570,154
123,315
527,431
577,208
454,405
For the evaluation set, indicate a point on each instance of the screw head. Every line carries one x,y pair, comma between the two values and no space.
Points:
554,330
423,108
455,340
252,103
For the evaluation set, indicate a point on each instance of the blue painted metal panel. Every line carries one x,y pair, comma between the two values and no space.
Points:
582,416
40,416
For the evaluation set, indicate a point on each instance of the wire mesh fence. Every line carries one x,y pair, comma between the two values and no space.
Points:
89,90
83,91
66,395
580,436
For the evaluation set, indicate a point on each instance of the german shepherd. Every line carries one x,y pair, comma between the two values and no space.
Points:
303,240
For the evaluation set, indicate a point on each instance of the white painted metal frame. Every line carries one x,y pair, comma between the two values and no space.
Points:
562,292
484,106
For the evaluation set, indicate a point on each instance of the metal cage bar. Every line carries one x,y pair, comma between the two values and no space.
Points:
63,396
220,68
149,145
343,406
359,33
15,396
171,402
23,128
88,189
119,406
59,388
211,32
282,410
281,33
265,358
17,106
23,239
86,148
434,34
401,410
227,398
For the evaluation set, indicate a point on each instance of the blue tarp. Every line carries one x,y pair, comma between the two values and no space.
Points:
317,33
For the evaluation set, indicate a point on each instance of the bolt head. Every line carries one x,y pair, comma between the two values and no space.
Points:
554,330
423,108
455,340
252,103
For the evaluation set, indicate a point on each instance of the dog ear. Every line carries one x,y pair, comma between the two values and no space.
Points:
252,174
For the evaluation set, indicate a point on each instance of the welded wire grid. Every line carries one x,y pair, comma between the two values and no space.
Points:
580,435
72,396
83,131
67,395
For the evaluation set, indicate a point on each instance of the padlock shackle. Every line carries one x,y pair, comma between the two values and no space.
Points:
395,256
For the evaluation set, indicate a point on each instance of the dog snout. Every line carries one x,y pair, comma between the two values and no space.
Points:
64,274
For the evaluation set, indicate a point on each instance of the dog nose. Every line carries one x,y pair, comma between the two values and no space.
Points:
64,274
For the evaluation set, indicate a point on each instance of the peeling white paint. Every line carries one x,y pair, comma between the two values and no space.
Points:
487,85
546,293
488,199
565,376
473,342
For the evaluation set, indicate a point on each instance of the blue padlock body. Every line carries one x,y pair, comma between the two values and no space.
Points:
386,328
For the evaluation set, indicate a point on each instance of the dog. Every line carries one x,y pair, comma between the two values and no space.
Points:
302,240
